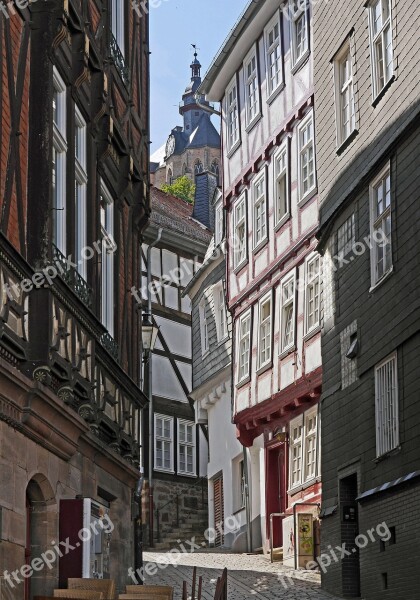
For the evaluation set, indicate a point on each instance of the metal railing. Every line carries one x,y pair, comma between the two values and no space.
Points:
118,58
73,278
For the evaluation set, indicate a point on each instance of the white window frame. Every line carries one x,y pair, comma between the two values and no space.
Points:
345,102
220,311
187,444
281,155
273,55
108,259
301,443
346,236
378,40
118,23
310,437
239,483
218,222
265,331
387,410
240,219
59,171
296,443
252,78
312,292
204,327
295,18
285,305
376,224
304,148
259,210
244,338
81,179
232,114
164,440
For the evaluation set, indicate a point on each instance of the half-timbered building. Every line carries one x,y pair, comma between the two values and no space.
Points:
263,78
74,201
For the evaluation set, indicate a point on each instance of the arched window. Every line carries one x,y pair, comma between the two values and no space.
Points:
198,167
214,168
169,176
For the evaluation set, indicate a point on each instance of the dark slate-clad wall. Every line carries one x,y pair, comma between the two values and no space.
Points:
206,184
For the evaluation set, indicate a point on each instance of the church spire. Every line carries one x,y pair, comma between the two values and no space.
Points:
195,66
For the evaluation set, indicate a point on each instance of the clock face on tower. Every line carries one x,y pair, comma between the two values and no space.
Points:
170,146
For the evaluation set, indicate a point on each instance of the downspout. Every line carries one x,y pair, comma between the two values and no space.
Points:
150,386
247,503
208,109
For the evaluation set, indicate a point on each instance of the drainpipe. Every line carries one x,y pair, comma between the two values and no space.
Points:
247,503
150,387
208,109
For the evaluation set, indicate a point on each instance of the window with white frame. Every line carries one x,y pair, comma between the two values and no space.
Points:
304,448
59,163
381,44
380,209
260,210
107,258
204,327
288,313
244,344
313,292
281,184
346,237
386,405
306,150
299,30
240,233
186,448
220,311
232,112
264,331
164,443
218,225
345,102
252,93
239,484
118,23
273,55
81,179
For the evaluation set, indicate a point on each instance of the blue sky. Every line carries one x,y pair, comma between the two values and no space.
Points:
174,26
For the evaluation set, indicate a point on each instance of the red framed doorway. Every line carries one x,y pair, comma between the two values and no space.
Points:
276,489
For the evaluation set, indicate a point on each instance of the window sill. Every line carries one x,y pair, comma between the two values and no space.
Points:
234,148
238,511
307,197
301,62
384,278
383,91
252,123
275,93
223,339
243,382
205,354
265,367
260,246
312,333
168,471
389,454
287,351
240,267
182,474
347,142
303,486
285,218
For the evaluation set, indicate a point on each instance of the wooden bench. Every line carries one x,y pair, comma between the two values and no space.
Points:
78,595
148,594
141,591
105,586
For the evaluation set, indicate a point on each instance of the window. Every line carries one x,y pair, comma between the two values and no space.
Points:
381,44
186,448
232,115
240,241
260,211
117,23
107,267
59,163
381,252
204,327
264,332
300,30
386,405
218,224
281,184
198,167
313,293
304,448
244,327
346,237
214,168
273,56
220,311
80,193
306,157
287,316
239,481
345,103
252,94
164,443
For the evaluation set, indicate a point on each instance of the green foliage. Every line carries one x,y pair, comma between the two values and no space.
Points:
182,188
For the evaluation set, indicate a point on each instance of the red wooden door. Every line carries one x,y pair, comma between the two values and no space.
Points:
276,488
219,517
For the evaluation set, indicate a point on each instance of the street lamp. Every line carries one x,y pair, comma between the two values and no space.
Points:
149,334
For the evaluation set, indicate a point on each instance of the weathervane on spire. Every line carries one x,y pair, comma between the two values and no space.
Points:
195,67
195,49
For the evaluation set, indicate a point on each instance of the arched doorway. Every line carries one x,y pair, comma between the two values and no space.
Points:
41,530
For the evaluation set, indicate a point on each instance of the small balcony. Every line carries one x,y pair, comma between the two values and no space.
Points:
73,279
118,59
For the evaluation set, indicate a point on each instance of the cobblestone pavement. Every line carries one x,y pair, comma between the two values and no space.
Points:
249,576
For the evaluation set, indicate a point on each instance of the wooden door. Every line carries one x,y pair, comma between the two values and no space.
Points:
276,488
219,513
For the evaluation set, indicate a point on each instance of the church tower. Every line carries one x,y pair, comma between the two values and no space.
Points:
193,148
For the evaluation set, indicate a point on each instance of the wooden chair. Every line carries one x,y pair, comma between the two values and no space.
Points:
221,587
194,582
106,586
148,594
142,590
78,595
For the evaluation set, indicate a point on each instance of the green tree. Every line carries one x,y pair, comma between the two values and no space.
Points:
182,188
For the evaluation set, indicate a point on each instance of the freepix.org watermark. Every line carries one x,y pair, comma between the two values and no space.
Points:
142,7
58,550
